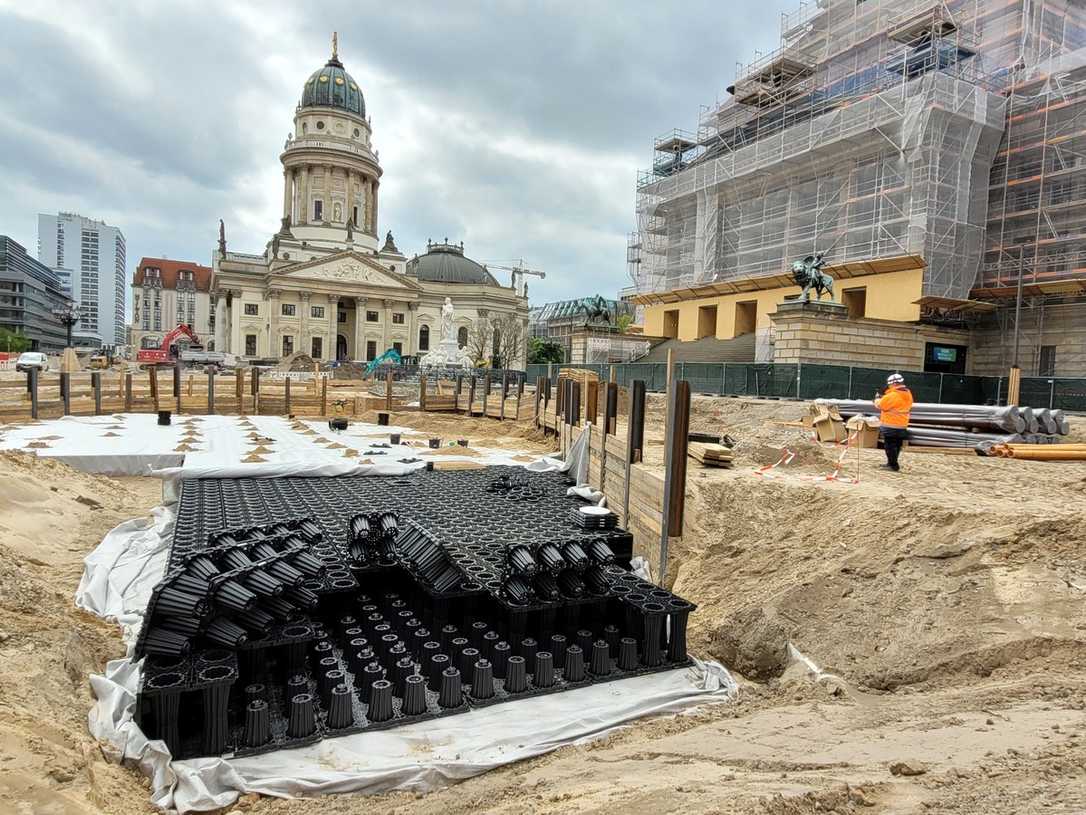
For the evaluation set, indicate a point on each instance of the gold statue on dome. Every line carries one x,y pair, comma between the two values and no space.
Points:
335,45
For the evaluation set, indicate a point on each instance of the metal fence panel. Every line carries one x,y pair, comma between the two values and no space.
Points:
1069,394
704,377
818,381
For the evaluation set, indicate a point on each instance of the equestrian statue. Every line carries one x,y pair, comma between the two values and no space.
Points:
808,274
596,311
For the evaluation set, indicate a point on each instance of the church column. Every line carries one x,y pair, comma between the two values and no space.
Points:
367,204
360,328
304,344
234,341
288,193
348,207
303,197
376,189
220,321
333,325
326,214
386,325
273,324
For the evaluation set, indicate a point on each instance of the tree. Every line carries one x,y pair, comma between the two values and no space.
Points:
541,351
13,342
478,346
510,340
623,322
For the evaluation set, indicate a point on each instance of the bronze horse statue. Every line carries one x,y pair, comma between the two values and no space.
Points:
808,274
596,311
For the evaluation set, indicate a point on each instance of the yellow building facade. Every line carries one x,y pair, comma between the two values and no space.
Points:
706,311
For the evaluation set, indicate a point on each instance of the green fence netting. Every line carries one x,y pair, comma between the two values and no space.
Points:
816,381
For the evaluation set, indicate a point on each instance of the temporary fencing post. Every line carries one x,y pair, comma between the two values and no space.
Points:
177,378
388,392
591,405
675,452
128,393
1051,393
505,387
635,435
32,384
211,391
486,393
610,415
324,395
152,378
422,393
849,394
96,383
799,380
723,378
940,399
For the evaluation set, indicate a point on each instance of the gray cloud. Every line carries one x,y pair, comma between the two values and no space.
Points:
517,127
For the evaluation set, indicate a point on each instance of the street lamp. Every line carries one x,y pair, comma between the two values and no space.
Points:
68,315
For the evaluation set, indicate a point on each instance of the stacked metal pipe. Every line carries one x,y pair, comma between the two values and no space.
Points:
987,418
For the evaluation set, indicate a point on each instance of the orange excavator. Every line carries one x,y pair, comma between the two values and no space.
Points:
168,352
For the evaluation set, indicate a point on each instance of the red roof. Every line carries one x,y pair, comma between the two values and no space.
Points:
168,270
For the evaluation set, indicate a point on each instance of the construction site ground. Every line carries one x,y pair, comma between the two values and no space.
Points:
944,607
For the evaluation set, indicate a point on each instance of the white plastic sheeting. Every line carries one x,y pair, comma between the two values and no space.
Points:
134,444
420,757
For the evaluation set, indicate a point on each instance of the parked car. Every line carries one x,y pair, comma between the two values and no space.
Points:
32,359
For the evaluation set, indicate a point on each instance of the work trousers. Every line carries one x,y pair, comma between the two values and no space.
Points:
892,439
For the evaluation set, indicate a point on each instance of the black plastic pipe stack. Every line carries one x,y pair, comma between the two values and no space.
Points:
482,680
439,663
451,694
257,723
574,671
215,698
678,618
414,697
403,668
468,658
543,674
585,640
302,721
166,707
611,634
651,652
380,707
339,711
516,676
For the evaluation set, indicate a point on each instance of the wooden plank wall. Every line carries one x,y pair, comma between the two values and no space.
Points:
231,396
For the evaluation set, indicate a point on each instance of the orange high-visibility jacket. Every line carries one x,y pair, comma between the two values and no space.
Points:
895,405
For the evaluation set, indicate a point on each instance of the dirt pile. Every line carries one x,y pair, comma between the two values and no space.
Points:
50,518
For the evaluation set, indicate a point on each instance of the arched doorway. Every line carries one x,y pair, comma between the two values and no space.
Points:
462,337
341,347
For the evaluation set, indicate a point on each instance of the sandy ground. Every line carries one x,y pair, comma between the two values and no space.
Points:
945,604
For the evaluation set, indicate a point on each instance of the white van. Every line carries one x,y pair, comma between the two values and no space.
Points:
32,359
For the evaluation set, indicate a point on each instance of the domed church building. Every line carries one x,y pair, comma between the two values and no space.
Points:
327,284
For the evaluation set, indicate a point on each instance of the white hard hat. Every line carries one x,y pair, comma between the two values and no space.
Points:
894,379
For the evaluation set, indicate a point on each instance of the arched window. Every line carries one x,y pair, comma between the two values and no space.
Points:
462,337
424,338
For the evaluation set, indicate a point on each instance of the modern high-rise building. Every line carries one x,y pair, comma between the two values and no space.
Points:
30,294
88,257
931,151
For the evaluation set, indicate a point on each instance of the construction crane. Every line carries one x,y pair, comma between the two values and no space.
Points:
518,272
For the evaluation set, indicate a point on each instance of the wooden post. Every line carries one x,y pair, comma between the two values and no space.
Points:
286,396
670,370
152,378
675,453
1014,386
239,389
96,383
210,392
471,395
422,392
591,401
486,393
574,412
610,410
128,393
388,390
611,374
546,399
538,397
324,396
520,394
255,388
32,383
177,382
188,385
456,392
635,432
505,392
66,391
120,387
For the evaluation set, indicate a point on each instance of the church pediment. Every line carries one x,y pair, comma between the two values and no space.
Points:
346,267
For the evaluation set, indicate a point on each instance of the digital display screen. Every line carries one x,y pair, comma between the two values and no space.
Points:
943,353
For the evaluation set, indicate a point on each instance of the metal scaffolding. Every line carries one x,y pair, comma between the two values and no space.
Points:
870,132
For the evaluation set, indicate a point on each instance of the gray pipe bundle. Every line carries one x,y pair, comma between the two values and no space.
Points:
1061,422
1005,419
934,437
1032,425
1047,422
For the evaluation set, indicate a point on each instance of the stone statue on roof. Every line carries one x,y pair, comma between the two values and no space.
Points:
222,239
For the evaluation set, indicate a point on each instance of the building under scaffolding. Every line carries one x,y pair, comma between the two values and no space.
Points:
949,133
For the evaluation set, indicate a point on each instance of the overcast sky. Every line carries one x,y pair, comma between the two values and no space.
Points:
517,127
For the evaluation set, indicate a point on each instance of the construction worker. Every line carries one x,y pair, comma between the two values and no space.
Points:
894,403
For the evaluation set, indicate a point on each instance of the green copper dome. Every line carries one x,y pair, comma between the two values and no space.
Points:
333,87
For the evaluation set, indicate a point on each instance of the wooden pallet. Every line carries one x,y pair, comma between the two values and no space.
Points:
710,455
